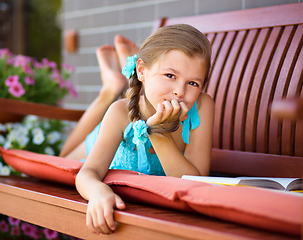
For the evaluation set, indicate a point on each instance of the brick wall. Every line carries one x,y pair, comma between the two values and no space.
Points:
98,21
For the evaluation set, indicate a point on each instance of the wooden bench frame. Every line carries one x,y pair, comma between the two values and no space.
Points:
61,208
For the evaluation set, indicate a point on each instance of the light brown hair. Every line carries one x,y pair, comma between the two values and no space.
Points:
181,37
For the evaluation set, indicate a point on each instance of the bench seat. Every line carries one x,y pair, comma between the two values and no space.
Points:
61,208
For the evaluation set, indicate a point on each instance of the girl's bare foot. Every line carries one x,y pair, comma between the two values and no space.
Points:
111,76
124,48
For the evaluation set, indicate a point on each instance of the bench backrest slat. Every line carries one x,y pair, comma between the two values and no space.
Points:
242,95
244,19
257,58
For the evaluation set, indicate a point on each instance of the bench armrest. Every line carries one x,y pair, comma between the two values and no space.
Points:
41,110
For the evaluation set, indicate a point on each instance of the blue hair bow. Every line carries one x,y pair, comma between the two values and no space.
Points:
129,69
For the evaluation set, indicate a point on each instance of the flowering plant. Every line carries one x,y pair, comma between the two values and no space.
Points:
12,228
32,134
26,79
36,135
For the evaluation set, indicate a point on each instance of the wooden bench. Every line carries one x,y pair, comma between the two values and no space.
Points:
257,59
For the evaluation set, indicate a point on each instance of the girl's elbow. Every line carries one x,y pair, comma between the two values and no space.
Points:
81,178
78,180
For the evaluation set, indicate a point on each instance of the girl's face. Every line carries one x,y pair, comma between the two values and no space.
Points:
175,76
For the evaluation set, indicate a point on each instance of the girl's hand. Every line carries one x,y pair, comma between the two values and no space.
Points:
167,110
100,212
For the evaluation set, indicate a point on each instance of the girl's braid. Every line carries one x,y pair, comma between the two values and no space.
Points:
133,94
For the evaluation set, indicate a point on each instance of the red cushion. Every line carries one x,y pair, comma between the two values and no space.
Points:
42,166
266,209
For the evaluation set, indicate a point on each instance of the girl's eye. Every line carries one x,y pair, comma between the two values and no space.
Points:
170,75
194,84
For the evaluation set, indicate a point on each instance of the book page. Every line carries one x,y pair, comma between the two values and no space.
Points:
216,180
264,182
284,182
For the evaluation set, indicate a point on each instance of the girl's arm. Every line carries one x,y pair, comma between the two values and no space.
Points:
101,199
89,120
197,154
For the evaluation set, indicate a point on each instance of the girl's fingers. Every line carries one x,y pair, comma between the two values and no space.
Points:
157,117
176,107
184,110
101,220
90,224
168,110
109,213
119,202
109,224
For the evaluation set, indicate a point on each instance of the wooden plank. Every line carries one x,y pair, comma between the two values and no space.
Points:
298,150
241,111
233,99
257,92
42,110
62,209
269,88
230,91
288,14
220,82
216,45
256,164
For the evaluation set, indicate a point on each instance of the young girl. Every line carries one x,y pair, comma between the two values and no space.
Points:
142,132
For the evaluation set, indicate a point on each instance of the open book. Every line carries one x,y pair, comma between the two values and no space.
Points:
285,184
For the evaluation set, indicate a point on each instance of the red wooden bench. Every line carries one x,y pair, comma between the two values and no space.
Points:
257,60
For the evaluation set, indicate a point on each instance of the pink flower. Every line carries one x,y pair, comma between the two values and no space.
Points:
10,61
38,65
68,67
29,80
71,88
20,60
4,227
16,90
56,76
26,69
15,231
49,63
61,83
50,234
11,80
28,229
4,52
37,234
45,62
13,221
52,64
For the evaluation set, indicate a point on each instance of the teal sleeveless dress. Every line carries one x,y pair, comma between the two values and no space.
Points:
133,154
